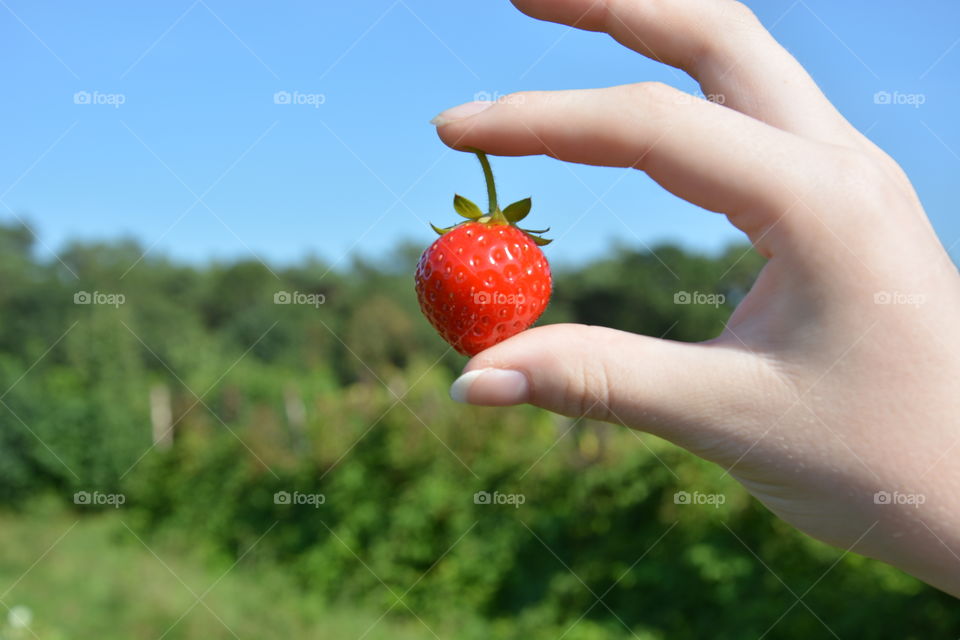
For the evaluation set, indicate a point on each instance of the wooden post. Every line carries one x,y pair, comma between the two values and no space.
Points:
296,414
161,417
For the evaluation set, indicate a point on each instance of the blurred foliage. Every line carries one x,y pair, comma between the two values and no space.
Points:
317,440
95,579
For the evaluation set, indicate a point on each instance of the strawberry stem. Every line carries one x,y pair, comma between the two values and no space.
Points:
488,176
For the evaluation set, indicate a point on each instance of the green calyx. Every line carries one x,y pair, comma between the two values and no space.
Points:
511,215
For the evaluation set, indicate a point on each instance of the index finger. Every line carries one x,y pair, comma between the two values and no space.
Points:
716,158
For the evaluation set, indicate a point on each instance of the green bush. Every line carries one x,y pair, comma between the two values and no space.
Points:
347,400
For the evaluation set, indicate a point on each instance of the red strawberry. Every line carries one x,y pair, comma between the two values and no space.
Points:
485,279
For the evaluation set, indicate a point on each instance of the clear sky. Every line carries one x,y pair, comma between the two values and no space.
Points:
200,162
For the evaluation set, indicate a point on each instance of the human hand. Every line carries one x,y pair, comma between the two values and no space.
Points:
817,395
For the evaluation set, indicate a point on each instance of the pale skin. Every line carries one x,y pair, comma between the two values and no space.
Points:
837,376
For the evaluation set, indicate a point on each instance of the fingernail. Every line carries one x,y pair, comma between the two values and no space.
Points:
460,112
491,387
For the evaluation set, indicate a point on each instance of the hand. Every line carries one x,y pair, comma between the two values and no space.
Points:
817,395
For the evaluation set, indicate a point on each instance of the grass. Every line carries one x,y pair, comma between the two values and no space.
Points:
91,577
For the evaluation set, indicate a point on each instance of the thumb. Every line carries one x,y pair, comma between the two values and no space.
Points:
687,393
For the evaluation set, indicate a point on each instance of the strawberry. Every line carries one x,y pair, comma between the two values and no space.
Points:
485,279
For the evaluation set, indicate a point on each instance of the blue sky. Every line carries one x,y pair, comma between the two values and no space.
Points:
199,162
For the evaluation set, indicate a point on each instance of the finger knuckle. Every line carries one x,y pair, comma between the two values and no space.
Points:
520,97
736,13
858,176
896,172
849,191
589,390
652,93
655,100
